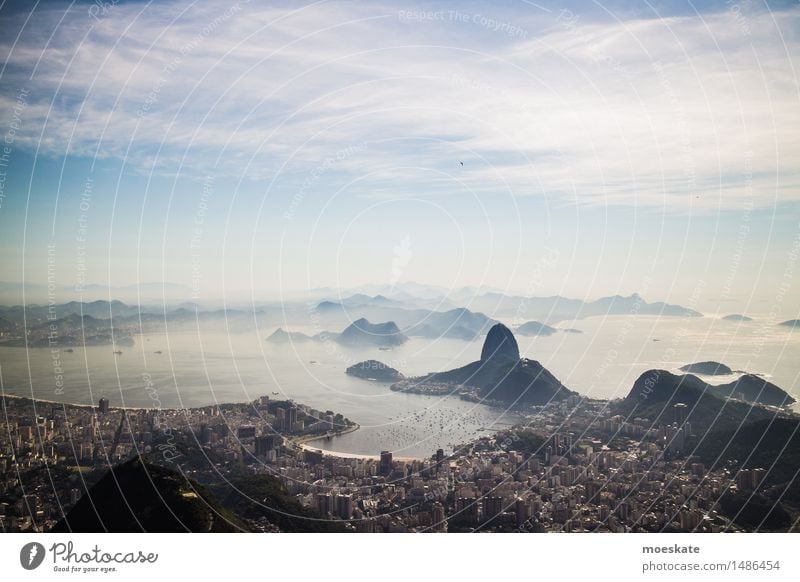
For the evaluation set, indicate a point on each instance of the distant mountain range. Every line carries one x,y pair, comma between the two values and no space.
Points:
12,293
470,322
360,333
556,308
121,313
461,323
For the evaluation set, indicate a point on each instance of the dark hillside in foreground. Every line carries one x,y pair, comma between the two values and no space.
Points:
140,497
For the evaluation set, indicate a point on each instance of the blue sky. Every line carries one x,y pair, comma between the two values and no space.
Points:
654,147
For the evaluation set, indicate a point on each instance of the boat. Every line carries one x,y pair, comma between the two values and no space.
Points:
157,352
118,352
69,350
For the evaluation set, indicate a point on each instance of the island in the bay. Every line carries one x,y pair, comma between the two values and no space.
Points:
374,370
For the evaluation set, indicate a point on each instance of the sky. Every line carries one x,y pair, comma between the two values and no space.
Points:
269,148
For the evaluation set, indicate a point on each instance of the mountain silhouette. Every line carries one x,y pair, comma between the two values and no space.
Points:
501,375
363,333
500,344
656,392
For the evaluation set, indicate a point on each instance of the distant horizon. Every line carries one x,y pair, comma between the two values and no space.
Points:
37,294
268,150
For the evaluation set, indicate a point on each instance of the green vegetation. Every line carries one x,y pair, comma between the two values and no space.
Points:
137,496
754,512
771,445
264,497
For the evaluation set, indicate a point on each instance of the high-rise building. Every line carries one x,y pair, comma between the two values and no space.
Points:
204,434
438,520
758,477
246,432
680,411
522,511
264,443
344,506
280,419
103,405
313,457
492,506
690,520
749,479
593,489
467,509
386,462
324,504
291,418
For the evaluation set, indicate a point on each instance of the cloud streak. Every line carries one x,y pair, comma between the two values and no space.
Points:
671,112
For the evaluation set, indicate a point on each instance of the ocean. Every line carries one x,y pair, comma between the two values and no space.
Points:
199,368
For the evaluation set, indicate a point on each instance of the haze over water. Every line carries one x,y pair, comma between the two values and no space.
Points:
215,367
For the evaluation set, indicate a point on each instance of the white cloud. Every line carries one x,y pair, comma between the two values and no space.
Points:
651,112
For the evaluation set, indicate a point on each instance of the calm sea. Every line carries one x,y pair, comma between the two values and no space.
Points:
214,367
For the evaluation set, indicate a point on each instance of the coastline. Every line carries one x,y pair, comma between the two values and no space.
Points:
304,443
302,440
93,406
301,443
341,455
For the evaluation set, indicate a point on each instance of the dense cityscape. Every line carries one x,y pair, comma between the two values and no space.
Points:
575,466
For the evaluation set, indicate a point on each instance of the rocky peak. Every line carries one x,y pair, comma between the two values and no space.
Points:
500,344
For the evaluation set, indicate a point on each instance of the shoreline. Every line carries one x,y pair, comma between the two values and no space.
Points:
151,408
300,443
302,440
304,443
93,406
342,455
